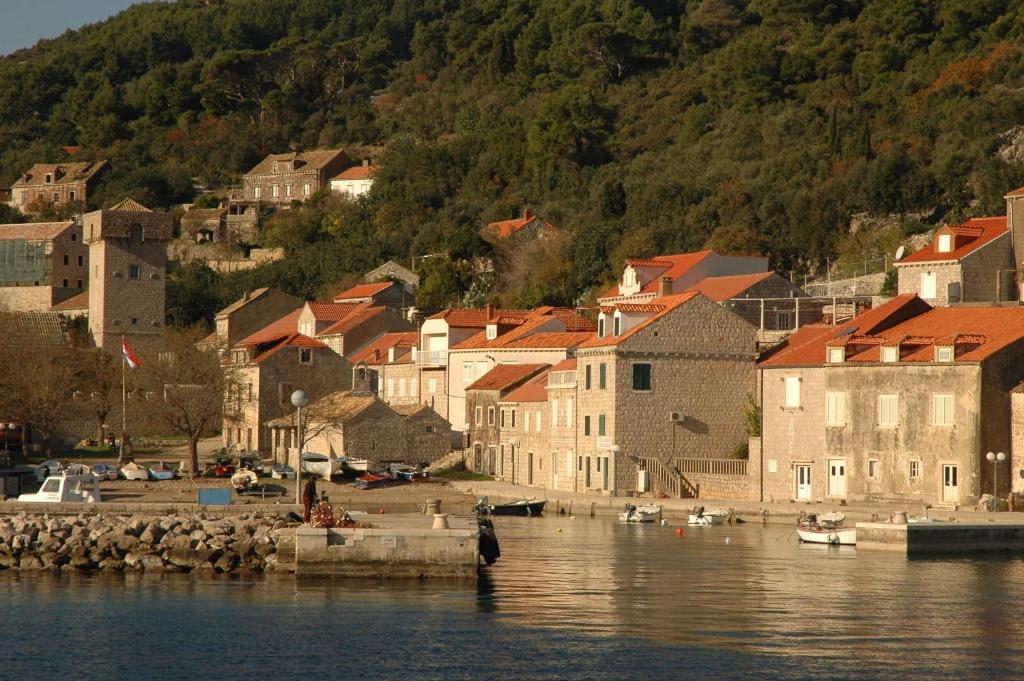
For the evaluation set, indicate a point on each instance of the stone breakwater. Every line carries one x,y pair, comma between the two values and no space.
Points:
175,543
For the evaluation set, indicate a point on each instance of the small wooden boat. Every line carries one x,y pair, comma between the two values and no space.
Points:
828,529
161,471
522,507
702,518
640,514
282,471
133,471
362,465
371,480
321,465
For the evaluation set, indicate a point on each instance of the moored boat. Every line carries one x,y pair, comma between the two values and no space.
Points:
702,518
371,480
133,471
361,465
826,529
244,479
640,514
161,471
521,507
282,471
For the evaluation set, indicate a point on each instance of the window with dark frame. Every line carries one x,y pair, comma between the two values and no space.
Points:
641,376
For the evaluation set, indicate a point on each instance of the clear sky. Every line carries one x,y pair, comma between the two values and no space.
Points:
24,22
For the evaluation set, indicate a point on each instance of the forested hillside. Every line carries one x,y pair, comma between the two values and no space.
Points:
635,126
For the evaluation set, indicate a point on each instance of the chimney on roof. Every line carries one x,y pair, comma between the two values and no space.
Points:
527,214
246,295
665,286
490,312
376,354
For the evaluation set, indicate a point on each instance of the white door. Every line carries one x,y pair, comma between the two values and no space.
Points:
803,482
837,477
928,287
950,491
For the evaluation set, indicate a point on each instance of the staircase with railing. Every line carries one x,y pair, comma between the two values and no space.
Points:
668,479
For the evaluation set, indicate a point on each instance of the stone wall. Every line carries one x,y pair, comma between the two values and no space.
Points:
948,281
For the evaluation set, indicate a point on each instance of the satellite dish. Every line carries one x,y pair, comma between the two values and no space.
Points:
900,252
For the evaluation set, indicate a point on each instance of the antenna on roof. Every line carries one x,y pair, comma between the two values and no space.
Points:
900,252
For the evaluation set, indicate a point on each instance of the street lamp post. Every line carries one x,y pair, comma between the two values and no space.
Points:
300,400
996,459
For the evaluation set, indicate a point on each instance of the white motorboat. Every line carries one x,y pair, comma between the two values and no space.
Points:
702,518
133,471
640,514
66,488
361,465
321,465
282,471
244,479
826,529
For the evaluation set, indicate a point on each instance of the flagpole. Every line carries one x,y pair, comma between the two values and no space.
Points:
124,402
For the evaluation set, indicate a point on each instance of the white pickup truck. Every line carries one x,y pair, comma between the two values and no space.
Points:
66,488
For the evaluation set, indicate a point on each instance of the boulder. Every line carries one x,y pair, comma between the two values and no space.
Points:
111,564
226,563
184,558
151,563
31,563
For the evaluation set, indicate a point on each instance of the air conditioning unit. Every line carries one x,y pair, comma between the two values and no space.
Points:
676,416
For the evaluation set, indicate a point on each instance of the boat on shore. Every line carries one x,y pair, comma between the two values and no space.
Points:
826,529
647,513
282,471
321,465
133,471
358,465
161,471
520,507
372,480
702,518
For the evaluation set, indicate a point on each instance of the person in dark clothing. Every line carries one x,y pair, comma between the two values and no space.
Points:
308,498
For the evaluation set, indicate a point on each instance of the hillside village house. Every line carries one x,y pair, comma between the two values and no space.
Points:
388,293
249,314
525,435
664,384
56,184
546,335
391,362
526,227
355,181
903,402
280,179
645,279
487,420
394,271
41,264
970,262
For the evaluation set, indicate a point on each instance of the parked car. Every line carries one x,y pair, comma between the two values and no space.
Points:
47,468
104,471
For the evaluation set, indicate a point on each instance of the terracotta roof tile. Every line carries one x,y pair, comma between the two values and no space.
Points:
281,328
295,340
34,231
359,172
720,289
534,390
968,238
474,317
565,365
674,266
506,228
353,320
331,312
376,351
504,376
129,205
78,302
665,305
363,291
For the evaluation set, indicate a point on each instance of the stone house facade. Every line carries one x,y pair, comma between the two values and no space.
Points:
249,314
485,425
965,263
525,434
428,437
903,407
668,385
56,184
562,426
41,265
127,278
280,179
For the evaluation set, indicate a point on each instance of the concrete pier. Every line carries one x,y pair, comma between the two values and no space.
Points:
397,547
921,539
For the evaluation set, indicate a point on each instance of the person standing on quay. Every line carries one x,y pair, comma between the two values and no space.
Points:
308,498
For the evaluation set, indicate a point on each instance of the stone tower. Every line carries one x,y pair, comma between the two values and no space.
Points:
127,272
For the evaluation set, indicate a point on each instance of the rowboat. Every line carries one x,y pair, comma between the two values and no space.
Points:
357,464
640,514
321,465
702,518
522,507
826,529
133,471
371,480
282,471
161,471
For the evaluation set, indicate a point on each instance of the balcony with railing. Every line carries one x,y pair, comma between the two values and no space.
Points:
433,358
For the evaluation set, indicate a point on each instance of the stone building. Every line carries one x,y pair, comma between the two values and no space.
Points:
205,225
901,403
667,384
56,184
562,426
396,272
127,277
280,179
354,325
387,293
485,417
41,265
645,279
355,181
391,358
249,314
764,299
965,263
428,437
528,226
525,435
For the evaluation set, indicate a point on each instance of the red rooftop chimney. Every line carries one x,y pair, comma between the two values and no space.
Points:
490,311
665,286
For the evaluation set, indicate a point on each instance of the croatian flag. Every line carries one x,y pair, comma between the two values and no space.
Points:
129,356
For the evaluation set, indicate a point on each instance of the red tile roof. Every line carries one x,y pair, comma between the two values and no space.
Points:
664,305
504,376
376,351
720,289
359,172
534,390
968,237
363,291
638,307
34,231
1015,192
552,340
358,316
78,302
475,317
283,327
892,320
331,312
506,228
674,266
295,340
565,365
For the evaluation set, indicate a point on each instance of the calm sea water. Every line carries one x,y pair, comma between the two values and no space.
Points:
569,599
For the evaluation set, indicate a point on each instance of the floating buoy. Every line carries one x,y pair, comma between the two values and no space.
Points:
679,532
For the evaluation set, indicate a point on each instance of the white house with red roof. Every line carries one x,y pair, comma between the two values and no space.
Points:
355,181
967,263
644,279
903,402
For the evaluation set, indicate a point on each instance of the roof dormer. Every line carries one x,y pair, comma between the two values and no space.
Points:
630,281
890,353
944,353
836,354
944,243
492,331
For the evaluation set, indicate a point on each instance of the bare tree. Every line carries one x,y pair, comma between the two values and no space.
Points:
37,385
190,389
98,376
